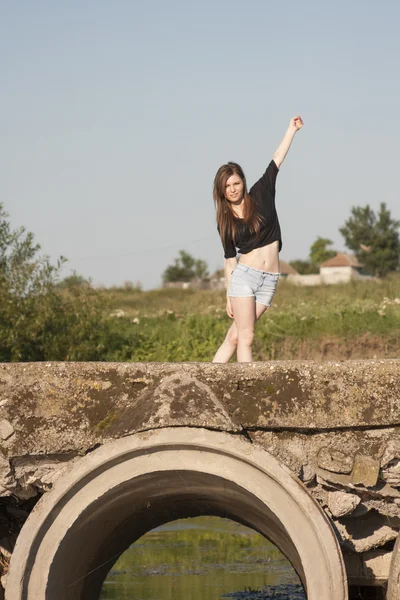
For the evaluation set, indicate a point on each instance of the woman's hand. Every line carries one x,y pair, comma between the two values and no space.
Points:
296,123
229,311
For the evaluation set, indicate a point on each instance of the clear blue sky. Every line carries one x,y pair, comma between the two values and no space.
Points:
115,116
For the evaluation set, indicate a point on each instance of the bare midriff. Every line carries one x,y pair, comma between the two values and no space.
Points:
265,258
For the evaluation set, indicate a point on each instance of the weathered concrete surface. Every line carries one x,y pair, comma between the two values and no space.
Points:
108,400
335,425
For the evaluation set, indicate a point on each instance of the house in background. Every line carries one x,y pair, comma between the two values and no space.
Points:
340,269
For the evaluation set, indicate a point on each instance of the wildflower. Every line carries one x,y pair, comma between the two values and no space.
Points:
118,313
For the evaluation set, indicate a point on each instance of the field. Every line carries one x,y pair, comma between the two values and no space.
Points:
357,320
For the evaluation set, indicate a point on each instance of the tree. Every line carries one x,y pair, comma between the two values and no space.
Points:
374,239
304,267
319,252
22,272
185,268
39,320
73,280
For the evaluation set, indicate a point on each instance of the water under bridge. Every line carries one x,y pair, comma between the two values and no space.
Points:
94,455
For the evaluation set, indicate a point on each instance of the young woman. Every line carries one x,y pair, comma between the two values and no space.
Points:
248,221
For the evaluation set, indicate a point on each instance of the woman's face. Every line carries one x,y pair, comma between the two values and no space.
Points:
234,189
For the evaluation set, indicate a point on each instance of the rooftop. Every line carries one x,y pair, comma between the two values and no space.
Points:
342,260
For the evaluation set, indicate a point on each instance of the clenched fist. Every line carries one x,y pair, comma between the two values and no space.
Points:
296,123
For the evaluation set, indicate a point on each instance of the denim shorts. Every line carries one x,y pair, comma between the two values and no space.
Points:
246,282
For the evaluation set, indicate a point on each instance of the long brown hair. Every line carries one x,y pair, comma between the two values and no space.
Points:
227,225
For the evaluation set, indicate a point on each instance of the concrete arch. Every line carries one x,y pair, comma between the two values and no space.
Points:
111,497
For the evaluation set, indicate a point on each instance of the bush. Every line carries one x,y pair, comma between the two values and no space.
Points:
40,320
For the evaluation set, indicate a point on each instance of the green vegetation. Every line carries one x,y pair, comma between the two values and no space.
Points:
40,320
374,239
319,253
358,320
43,319
304,267
185,268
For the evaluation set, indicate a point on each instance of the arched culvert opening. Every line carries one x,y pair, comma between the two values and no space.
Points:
114,495
202,557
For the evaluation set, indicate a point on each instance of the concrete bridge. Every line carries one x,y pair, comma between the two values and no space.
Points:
94,455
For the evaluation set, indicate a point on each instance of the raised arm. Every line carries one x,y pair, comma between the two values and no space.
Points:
296,123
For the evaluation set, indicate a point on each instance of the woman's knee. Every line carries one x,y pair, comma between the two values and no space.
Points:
232,335
246,337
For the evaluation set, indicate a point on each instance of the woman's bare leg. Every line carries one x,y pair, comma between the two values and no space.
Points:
229,345
244,313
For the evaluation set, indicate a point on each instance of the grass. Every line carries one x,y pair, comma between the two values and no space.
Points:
360,319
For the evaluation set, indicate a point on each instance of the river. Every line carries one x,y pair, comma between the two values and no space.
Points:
206,558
